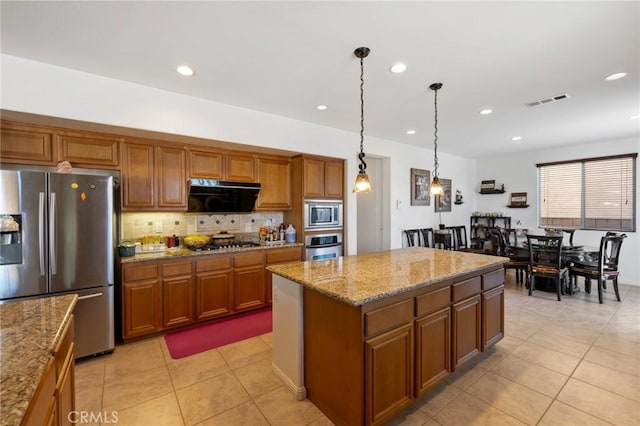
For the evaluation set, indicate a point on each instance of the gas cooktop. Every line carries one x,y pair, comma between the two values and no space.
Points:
232,244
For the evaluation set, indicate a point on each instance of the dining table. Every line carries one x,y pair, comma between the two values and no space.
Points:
570,254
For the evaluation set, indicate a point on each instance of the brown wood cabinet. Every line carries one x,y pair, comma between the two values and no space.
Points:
240,167
26,144
274,175
89,149
214,287
323,178
153,177
54,401
248,281
141,300
177,294
391,351
206,164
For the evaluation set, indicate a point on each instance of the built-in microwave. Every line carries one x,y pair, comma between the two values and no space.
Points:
319,214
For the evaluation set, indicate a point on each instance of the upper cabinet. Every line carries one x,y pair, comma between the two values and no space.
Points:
88,149
322,177
153,177
274,175
216,164
26,144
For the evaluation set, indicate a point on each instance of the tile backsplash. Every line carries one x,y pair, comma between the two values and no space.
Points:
138,225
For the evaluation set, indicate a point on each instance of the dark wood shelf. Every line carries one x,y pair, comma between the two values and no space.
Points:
495,191
519,207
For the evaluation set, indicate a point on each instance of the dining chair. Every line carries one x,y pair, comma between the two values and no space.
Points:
510,236
459,236
570,232
427,237
517,262
545,261
413,237
604,268
443,239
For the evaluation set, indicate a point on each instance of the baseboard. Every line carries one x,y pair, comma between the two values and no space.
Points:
299,391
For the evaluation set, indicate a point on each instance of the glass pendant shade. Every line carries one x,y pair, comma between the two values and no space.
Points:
436,188
362,183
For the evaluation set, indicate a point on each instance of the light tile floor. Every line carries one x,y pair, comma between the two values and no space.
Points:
560,363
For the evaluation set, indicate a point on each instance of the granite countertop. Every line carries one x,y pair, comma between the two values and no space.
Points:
29,332
360,279
185,252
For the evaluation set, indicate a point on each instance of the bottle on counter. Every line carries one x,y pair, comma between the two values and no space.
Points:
291,234
281,232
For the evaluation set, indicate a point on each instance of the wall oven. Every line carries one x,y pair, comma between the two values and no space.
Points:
324,246
320,214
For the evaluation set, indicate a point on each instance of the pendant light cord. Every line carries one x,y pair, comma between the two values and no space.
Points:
363,165
435,134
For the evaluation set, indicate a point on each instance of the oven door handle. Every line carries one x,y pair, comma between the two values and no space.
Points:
325,245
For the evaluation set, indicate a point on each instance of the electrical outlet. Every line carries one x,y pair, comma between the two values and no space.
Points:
158,227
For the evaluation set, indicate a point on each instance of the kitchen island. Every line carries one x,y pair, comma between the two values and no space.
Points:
364,336
36,348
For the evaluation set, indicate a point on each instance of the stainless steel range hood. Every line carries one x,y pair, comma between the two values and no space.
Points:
216,196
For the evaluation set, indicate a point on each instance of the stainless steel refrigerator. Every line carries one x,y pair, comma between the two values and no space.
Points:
64,243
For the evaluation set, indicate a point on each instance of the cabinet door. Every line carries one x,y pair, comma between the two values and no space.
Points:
274,175
313,178
206,164
240,168
214,294
492,316
177,301
466,330
388,373
142,307
65,391
138,183
334,179
433,350
248,288
26,144
172,178
88,149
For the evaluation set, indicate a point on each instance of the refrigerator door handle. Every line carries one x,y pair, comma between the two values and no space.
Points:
52,232
91,296
41,232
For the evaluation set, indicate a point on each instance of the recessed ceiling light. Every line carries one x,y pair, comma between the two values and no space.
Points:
398,68
486,111
634,117
321,107
411,132
615,76
516,138
185,70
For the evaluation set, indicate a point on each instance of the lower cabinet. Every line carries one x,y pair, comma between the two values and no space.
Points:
141,300
177,294
389,352
54,401
248,281
388,360
214,287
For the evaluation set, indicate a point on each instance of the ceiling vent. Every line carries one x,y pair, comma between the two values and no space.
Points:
548,100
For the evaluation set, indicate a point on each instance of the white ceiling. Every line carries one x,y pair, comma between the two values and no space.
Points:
286,57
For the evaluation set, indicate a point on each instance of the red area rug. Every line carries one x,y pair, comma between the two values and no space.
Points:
209,336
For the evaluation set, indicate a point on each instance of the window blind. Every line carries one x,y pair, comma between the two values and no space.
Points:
594,193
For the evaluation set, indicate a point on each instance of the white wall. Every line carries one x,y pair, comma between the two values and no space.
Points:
40,88
518,173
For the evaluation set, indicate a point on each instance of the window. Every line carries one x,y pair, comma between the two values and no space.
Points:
594,193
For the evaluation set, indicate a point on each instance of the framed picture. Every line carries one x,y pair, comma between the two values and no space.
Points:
443,202
518,199
420,186
488,186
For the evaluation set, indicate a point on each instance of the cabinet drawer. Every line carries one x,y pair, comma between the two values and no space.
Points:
467,288
213,263
248,259
136,273
493,279
433,301
284,255
388,317
171,269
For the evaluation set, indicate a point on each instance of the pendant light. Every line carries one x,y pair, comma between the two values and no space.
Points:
362,179
436,188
